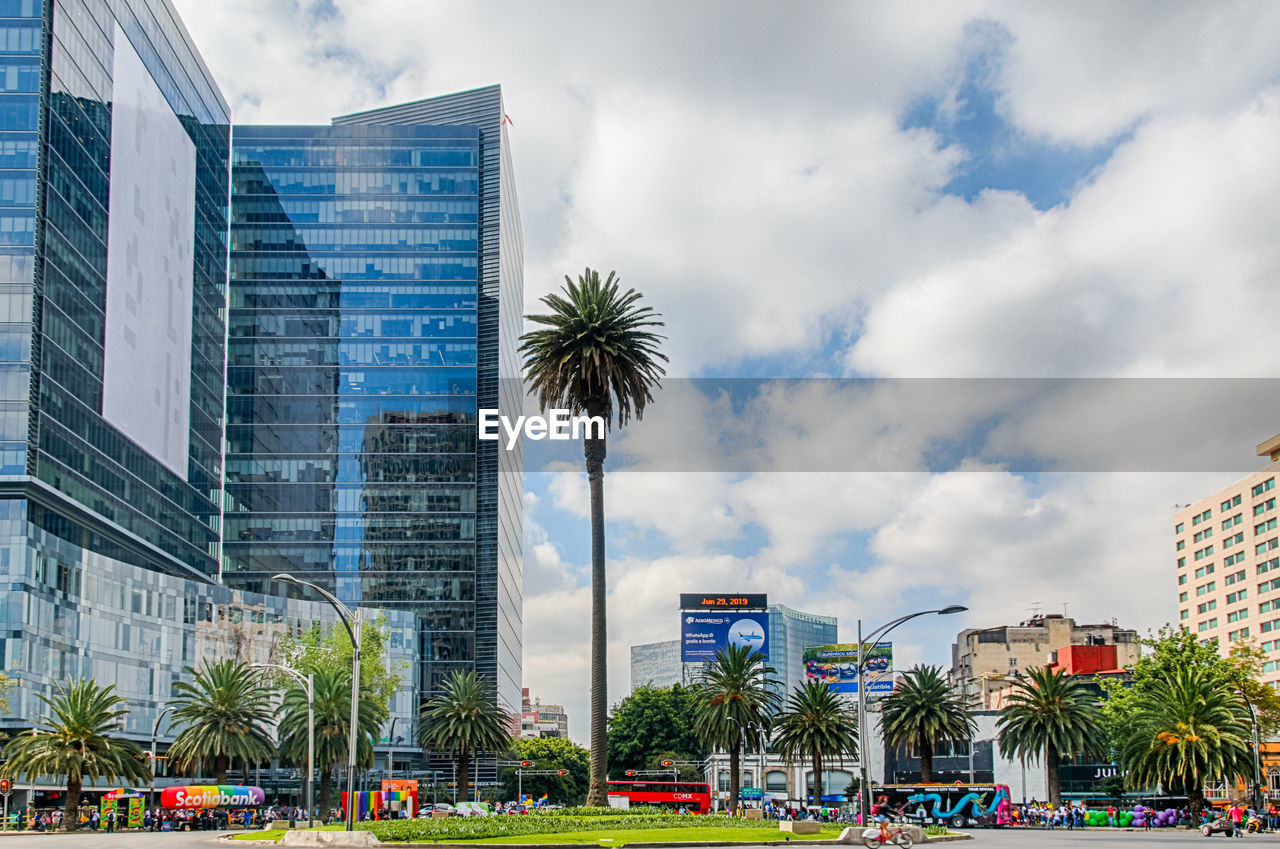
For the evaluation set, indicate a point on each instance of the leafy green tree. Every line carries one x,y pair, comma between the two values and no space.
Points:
654,724
320,648
74,740
735,706
464,720
6,686
1188,729
923,710
333,725
548,753
595,354
226,714
1050,714
1186,710
816,724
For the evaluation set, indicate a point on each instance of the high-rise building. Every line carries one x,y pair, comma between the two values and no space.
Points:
789,632
375,300
1227,551
658,665
986,661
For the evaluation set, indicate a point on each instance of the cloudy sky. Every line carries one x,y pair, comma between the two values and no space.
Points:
962,190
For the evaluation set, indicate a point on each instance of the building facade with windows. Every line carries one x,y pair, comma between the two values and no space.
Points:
539,720
1227,563
986,661
372,264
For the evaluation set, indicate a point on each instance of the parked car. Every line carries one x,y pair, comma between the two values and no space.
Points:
474,809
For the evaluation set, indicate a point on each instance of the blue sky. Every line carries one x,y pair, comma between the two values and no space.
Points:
971,189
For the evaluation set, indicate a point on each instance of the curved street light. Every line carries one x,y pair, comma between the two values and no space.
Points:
872,639
308,685
353,630
155,728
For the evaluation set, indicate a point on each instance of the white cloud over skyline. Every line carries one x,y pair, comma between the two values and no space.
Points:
749,168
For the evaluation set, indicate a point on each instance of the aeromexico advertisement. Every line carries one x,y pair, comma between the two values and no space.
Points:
212,796
838,666
704,632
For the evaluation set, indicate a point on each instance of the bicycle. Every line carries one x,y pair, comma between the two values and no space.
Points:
893,836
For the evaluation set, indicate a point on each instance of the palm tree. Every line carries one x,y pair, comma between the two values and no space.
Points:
333,717
227,713
464,720
1051,715
923,710
735,704
1187,729
816,724
74,740
596,355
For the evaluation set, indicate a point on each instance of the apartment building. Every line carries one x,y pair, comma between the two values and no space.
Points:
986,661
1227,550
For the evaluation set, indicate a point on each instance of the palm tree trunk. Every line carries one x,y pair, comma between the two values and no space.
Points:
735,780
597,795
926,758
1051,776
817,778
1195,794
464,771
71,808
326,790
220,763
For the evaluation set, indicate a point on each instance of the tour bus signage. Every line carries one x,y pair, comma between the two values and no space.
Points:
738,601
212,796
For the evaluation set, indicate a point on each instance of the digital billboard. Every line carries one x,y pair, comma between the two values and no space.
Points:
704,632
727,601
838,666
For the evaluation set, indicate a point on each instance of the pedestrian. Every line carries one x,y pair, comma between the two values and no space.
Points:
1235,813
1148,819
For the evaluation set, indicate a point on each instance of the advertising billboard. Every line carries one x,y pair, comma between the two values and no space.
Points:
728,601
703,633
838,666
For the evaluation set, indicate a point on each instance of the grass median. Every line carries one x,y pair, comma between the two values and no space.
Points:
604,830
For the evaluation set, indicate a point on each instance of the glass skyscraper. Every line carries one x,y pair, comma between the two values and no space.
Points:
364,335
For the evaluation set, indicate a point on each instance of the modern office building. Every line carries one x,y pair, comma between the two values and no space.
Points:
658,664
986,661
789,632
374,305
1227,551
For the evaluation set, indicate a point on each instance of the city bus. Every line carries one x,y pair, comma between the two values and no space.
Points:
694,798
956,805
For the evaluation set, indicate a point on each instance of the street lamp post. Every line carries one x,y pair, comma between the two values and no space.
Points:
353,630
308,685
155,730
873,638
391,750
1256,795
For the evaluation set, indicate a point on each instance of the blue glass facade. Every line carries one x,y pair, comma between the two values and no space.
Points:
789,632
354,371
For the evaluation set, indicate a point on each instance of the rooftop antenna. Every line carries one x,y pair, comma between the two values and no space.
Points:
1035,610
1065,605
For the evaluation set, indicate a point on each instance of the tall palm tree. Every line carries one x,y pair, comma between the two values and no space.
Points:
227,714
735,705
816,724
333,717
73,739
1051,714
464,720
595,354
922,710
1187,729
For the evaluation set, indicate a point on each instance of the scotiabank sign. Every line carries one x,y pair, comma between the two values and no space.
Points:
212,796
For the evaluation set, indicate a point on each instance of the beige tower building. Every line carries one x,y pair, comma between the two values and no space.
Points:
1228,555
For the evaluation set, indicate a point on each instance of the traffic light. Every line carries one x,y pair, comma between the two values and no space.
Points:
6,787
562,772
526,763
668,763
631,772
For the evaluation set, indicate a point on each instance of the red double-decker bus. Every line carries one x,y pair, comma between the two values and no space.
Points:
694,798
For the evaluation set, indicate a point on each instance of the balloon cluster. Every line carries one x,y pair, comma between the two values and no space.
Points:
1165,818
